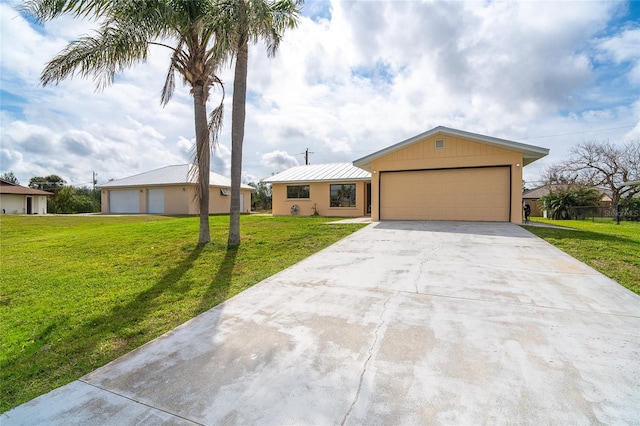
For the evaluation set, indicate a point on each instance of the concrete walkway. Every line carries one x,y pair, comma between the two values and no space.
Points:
400,323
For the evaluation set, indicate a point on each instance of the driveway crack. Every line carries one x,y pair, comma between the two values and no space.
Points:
366,363
424,260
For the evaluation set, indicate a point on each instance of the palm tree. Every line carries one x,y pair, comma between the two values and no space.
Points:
249,21
127,30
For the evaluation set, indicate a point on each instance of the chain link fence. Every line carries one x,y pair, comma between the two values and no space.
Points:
618,213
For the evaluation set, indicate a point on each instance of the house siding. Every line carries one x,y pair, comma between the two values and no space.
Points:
319,197
181,199
457,153
17,204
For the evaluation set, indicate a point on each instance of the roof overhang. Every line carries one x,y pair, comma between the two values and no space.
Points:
308,181
530,153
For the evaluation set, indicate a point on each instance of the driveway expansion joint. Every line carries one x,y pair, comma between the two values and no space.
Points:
140,402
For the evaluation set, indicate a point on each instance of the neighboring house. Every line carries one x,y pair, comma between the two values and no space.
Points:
532,197
17,199
169,190
335,189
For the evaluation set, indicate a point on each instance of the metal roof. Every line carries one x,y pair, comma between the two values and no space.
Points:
530,153
330,172
541,191
169,175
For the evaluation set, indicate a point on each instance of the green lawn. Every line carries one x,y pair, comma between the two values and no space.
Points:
77,292
612,249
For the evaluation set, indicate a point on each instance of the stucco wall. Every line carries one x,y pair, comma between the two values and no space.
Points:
319,196
17,204
458,152
180,199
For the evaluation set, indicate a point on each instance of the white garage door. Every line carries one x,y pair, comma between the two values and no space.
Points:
478,194
155,201
124,201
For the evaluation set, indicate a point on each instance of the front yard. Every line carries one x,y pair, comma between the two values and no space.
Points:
611,249
77,292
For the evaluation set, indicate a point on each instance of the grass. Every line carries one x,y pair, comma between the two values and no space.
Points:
611,249
79,291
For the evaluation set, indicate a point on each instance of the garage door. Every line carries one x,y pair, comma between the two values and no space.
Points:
479,194
124,201
155,201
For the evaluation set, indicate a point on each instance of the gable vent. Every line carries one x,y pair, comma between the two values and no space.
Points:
439,143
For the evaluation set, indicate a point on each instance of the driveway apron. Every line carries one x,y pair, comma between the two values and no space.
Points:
399,323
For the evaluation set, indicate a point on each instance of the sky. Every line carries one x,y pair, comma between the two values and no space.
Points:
354,77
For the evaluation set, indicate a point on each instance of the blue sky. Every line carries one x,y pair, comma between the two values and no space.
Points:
353,78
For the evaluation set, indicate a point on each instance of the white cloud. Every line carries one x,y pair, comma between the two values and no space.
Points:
278,161
358,77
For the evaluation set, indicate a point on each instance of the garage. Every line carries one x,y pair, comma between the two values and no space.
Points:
477,194
124,201
449,174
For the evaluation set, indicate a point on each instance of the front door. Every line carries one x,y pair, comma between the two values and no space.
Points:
29,205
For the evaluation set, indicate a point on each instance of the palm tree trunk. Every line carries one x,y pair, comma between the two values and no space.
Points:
202,160
237,136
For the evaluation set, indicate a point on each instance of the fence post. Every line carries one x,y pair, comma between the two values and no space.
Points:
618,214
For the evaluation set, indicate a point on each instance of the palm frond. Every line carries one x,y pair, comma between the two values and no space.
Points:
101,56
216,119
44,10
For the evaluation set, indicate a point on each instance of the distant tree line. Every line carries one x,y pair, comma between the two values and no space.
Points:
591,165
66,198
261,198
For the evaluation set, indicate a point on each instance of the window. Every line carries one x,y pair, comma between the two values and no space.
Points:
439,143
343,195
225,191
298,191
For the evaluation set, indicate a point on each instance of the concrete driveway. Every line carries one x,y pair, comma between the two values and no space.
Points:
400,323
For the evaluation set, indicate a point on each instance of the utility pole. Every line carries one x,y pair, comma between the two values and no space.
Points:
94,180
306,156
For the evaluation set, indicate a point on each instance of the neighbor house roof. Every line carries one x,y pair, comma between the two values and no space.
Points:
330,172
530,153
170,175
12,188
541,191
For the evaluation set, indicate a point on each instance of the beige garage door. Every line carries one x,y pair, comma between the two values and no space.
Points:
479,194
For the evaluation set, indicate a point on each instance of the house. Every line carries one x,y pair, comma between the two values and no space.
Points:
532,196
17,199
169,190
335,189
441,174
449,174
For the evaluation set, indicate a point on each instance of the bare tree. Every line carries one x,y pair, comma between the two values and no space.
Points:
600,164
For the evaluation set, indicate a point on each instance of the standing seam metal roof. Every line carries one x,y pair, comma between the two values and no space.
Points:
321,172
169,175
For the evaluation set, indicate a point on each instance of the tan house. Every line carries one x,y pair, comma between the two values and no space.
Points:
335,189
449,174
18,199
169,190
532,197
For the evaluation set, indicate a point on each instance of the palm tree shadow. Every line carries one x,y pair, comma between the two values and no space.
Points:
221,283
125,316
